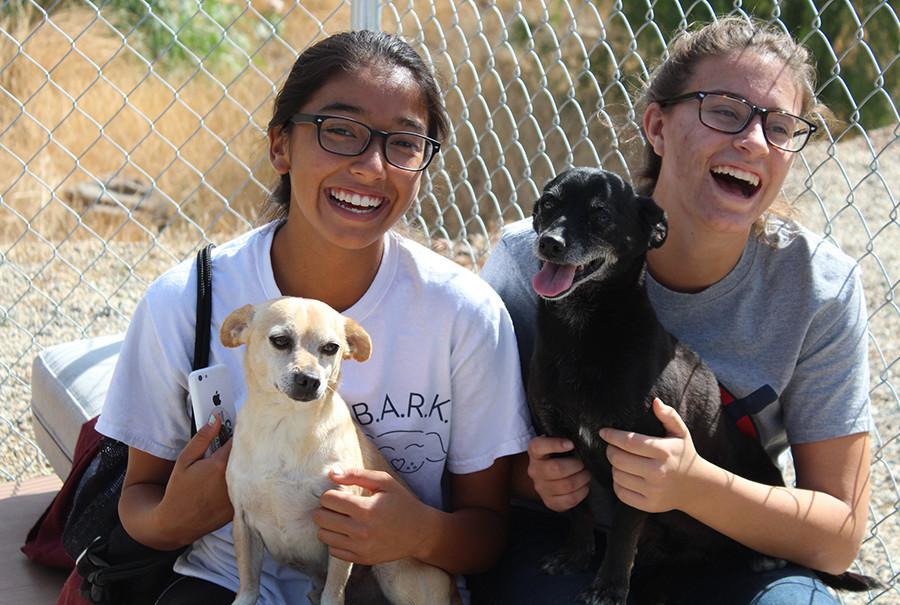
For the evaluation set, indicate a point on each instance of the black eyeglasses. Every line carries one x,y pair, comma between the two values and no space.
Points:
346,136
730,114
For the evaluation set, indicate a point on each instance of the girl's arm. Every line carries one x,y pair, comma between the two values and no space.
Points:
471,537
392,523
167,505
819,524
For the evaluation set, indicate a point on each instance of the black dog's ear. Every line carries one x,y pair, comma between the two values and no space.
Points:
654,217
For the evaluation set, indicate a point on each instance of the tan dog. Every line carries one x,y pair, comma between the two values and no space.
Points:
293,428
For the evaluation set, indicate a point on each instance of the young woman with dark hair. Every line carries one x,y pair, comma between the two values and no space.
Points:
355,125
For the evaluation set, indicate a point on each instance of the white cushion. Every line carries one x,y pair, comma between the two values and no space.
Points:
68,387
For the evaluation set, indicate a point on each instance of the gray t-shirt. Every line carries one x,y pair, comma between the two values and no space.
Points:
785,331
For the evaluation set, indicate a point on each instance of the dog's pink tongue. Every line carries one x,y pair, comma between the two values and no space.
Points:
553,279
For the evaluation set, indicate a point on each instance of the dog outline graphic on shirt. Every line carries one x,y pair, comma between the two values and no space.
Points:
408,451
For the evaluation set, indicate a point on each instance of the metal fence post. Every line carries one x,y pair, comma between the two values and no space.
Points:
365,14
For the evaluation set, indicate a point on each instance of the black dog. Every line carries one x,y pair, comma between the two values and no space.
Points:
601,357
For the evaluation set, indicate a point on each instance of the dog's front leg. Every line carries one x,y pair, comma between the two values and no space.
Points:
579,548
248,550
410,581
336,581
610,587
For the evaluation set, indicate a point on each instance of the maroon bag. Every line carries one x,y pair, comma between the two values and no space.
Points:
70,593
43,545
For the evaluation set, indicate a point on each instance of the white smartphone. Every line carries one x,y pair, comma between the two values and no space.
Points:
211,393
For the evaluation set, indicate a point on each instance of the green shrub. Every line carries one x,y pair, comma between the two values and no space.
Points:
175,34
182,33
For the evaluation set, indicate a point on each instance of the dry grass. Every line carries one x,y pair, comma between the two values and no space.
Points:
101,110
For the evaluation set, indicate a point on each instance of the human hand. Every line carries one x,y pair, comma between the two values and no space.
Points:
653,474
196,500
561,482
385,525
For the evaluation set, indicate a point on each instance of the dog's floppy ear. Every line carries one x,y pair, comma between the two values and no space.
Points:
655,218
234,329
359,345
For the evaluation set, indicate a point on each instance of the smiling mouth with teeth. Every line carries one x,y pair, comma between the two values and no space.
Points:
734,180
354,202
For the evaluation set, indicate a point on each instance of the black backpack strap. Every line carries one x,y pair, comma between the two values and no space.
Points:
204,314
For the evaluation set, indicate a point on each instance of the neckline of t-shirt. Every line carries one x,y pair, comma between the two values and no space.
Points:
361,308
721,288
380,286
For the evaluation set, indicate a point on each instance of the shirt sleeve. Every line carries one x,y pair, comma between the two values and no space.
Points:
146,405
503,272
828,394
490,416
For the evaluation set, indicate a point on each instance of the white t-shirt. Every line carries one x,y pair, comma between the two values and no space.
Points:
441,392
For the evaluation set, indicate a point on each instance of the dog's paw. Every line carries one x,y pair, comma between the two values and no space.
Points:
764,563
246,599
565,561
604,595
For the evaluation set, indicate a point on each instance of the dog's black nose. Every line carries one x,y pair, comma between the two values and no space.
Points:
304,387
551,244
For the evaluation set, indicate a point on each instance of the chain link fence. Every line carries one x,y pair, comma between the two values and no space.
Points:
132,132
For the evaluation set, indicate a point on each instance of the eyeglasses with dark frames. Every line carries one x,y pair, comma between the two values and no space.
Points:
349,137
731,114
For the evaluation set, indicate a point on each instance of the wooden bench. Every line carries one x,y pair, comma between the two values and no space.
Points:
68,386
21,581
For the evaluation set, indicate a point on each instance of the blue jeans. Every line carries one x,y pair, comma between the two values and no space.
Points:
518,580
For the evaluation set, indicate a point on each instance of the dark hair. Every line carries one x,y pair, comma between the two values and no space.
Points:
348,52
718,39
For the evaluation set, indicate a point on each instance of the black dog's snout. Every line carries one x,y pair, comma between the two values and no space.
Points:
551,245
304,387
